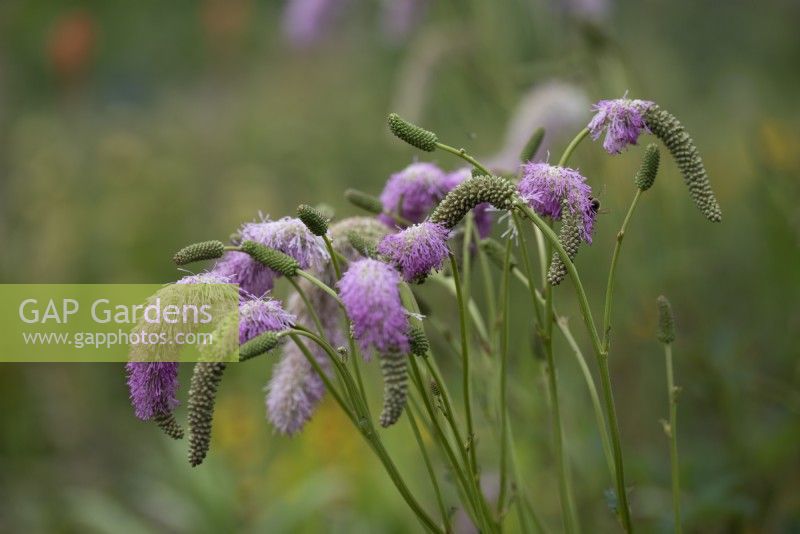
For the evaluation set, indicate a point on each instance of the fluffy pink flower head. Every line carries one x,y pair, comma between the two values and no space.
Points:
544,186
259,315
417,250
369,291
622,120
412,192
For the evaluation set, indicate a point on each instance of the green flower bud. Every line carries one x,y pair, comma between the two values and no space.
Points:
646,174
570,238
419,341
363,246
316,223
274,259
365,201
395,387
259,345
202,395
532,146
680,144
666,321
412,134
206,250
497,191
167,423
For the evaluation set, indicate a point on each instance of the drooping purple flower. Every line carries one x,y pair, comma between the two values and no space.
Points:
293,392
417,250
369,291
259,315
481,213
290,236
153,387
412,192
544,186
305,22
622,120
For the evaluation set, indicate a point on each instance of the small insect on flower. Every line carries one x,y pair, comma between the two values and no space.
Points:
544,187
622,120
369,291
417,250
412,192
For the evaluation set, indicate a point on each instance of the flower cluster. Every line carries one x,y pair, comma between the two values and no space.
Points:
622,119
545,186
417,250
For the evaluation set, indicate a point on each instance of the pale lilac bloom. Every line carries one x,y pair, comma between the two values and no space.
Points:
305,22
398,17
482,213
544,186
413,192
153,387
259,315
288,235
417,250
369,291
621,119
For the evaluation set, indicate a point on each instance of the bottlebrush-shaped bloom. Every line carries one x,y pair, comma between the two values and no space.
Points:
293,392
545,186
417,250
482,212
259,315
621,119
372,299
153,387
288,235
412,192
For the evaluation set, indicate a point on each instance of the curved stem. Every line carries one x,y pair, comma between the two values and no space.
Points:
465,380
320,284
429,466
461,153
571,147
613,270
602,359
504,376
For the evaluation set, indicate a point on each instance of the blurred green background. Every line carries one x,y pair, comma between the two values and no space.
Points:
128,129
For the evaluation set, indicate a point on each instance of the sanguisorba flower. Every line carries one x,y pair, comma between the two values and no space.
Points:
153,387
259,315
288,235
412,192
294,391
417,250
482,212
621,119
545,186
369,291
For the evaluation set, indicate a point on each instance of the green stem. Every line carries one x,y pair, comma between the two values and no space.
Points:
571,147
465,379
672,391
504,377
602,359
442,510
613,270
461,153
320,284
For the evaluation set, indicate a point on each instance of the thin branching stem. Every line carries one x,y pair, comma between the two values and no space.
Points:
672,434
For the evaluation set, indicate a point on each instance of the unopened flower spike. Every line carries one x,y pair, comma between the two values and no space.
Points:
570,238
412,134
494,190
681,145
417,250
532,146
666,321
368,230
395,386
315,221
419,341
170,426
273,259
365,247
206,250
365,201
259,345
206,378
482,213
646,174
